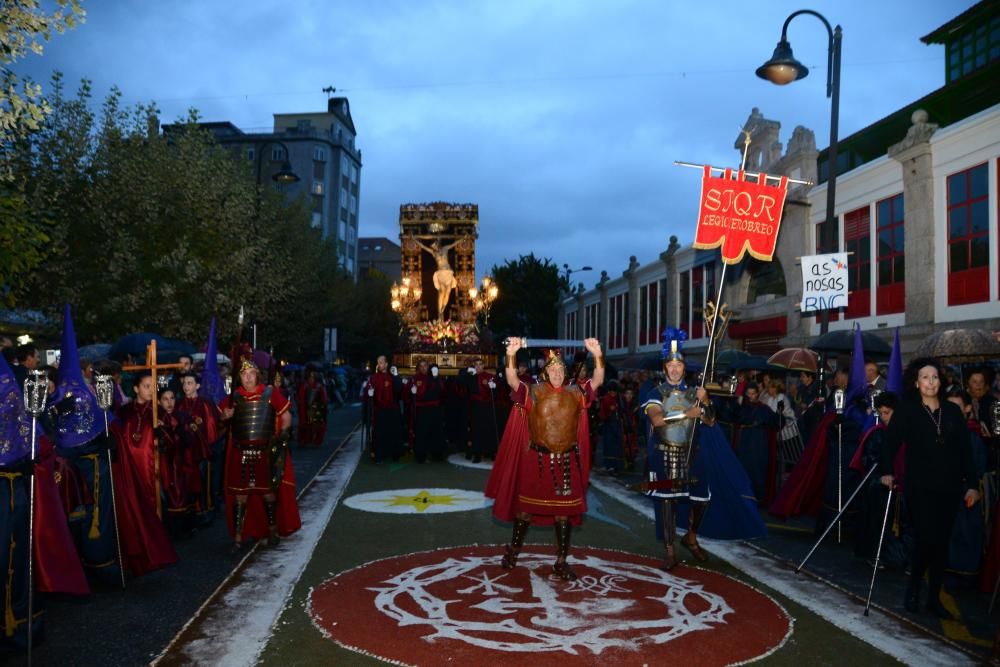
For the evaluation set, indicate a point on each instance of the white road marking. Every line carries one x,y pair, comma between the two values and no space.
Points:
257,601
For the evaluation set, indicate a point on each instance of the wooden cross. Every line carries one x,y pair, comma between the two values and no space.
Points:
153,367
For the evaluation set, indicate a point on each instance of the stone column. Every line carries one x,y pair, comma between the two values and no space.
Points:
915,156
603,311
633,304
668,300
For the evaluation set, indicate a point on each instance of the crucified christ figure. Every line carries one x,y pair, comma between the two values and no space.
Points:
444,277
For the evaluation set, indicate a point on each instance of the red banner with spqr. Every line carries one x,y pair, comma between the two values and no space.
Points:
740,215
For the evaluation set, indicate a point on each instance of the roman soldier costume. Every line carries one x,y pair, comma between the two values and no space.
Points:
312,400
543,465
258,466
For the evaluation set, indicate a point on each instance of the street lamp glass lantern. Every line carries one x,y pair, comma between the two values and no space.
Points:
285,175
782,68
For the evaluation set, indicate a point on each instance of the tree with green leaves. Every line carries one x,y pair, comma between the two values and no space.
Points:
528,303
25,26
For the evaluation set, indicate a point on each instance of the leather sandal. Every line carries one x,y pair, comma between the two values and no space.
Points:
695,549
670,560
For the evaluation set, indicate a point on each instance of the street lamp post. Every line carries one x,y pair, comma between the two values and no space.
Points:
782,69
570,272
285,174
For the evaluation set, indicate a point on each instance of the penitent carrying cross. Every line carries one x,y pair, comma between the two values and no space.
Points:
152,367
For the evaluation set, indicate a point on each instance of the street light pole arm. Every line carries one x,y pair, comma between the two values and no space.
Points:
833,45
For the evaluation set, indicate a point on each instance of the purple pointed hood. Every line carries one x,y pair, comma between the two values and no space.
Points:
213,387
894,381
15,422
78,417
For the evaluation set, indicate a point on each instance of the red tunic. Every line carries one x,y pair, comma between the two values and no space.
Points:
145,544
522,478
57,567
255,525
201,419
179,476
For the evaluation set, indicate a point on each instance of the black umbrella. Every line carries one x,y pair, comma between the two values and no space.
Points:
960,346
757,363
731,358
842,342
134,345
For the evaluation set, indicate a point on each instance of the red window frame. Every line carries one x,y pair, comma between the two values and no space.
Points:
890,297
969,282
857,240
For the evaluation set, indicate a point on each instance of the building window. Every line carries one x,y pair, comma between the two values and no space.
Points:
649,313
319,170
968,236
571,333
857,238
251,154
973,50
317,187
354,174
342,231
591,315
350,265
618,321
317,220
319,154
345,166
277,154
696,326
354,204
765,278
684,300
343,198
890,297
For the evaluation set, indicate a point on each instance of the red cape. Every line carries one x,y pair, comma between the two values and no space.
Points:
255,524
803,492
502,484
57,565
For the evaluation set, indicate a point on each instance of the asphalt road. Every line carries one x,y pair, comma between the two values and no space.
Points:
115,627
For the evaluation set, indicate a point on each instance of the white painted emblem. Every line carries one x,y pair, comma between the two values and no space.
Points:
613,604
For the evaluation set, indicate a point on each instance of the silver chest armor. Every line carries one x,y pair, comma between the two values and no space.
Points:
672,440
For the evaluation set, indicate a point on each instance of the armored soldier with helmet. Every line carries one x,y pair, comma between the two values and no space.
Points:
674,410
259,481
542,470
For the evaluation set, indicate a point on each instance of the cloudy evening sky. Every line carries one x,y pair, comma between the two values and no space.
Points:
561,119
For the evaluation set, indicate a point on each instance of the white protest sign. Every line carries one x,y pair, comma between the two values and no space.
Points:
824,282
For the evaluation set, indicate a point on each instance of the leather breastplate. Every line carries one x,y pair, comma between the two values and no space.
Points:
253,420
554,417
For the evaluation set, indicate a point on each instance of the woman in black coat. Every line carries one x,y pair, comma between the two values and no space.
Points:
939,473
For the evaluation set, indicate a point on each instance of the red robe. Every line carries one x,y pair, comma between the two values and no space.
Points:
312,427
145,544
201,419
255,525
515,471
57,567
179,476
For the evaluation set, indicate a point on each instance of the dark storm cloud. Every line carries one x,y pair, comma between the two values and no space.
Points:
560,119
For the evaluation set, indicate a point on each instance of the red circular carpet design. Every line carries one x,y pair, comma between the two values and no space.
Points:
459,606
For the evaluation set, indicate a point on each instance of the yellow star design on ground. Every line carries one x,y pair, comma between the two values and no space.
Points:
419,502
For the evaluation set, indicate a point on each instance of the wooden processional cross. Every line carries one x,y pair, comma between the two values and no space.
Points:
153,367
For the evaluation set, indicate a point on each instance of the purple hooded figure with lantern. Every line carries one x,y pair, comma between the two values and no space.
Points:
76,424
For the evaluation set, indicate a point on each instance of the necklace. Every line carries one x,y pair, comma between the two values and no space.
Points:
937,422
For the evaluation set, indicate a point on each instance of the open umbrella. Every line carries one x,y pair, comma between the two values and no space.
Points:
135,345
960,346
842,342
755,363
795,359
729,358
94,352
219,357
